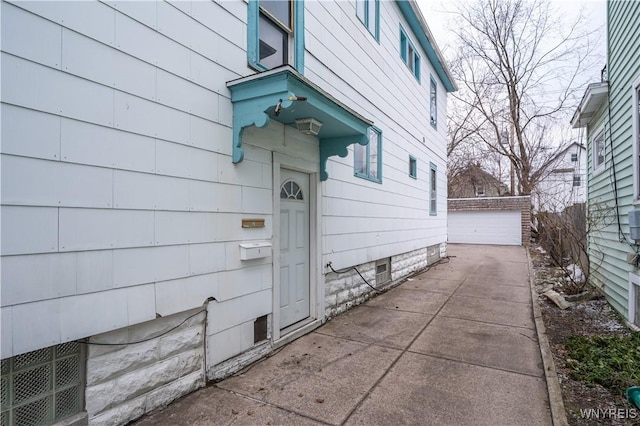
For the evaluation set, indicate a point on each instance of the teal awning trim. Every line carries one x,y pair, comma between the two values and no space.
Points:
256,97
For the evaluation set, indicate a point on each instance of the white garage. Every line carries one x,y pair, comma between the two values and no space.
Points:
485,227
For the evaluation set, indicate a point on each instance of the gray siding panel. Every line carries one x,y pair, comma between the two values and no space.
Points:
609,249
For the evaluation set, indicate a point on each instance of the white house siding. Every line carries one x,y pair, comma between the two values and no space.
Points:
608,254
120,202
365,221
121,207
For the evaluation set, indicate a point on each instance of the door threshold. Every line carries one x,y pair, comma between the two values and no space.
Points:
296,330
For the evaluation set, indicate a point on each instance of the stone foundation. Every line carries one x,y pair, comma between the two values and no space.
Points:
344,291
126,381
233,365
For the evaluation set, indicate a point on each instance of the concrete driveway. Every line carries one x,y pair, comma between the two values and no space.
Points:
456,345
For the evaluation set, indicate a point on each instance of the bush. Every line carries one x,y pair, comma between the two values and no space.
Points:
613,362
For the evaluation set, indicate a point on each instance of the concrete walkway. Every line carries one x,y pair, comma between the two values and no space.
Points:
456,345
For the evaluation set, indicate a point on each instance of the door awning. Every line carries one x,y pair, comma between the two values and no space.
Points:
284,95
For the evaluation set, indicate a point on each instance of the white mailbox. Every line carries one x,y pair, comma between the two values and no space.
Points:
255,250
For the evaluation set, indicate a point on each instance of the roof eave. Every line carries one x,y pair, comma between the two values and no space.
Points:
591,101
420,29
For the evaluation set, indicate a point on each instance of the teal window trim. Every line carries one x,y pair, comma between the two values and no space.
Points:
403,46
374,28
433,103
409,12
413,167
253,35
409,54
298,35
433,189
368,174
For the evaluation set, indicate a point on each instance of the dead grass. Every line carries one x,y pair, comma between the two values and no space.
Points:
593,317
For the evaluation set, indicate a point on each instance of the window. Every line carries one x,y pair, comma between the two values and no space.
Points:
275,34
409,54
433,108
574,157
368,11
576,180
480,191
597,147
290,190
433,206
413,167
43,386
368,158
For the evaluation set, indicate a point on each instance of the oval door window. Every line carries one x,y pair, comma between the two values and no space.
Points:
290,190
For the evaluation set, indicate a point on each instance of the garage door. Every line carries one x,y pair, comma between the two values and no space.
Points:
485,227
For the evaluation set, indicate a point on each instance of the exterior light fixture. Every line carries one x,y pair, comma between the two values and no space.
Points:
308,126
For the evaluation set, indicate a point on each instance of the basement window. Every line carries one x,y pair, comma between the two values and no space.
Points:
43,386
383,271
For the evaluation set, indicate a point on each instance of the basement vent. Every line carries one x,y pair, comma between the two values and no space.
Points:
43,386
433,254
383,271
260,329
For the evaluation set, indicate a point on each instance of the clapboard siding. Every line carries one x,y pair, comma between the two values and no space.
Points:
43,183
117,183
30,133
608,253
377,71
119,197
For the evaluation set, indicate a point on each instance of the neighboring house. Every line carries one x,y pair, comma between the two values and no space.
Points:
177,178
610,111
472,181
565,182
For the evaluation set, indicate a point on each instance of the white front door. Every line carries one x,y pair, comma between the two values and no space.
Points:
294,247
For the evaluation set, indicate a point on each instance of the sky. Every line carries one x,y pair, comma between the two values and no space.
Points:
439,20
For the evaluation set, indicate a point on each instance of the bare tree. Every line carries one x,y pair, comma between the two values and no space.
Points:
565,235
518,70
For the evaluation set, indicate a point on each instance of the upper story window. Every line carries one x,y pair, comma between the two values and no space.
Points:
368,158
597,151
433,103
574,157
368,11
576,180
275,34
409,54
274,31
